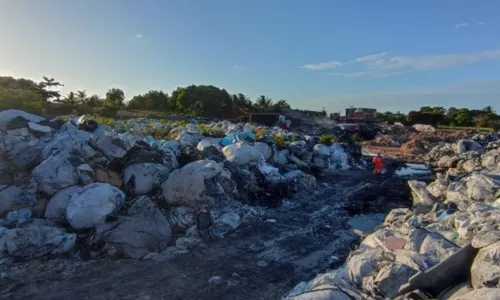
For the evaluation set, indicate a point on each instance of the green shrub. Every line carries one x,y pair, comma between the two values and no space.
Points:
279,140
326,139
294,138
355,138
210,131
105,121
109,111
23,100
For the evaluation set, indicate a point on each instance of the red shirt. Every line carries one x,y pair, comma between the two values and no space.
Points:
378,161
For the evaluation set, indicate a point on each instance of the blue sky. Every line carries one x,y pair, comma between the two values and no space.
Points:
389,55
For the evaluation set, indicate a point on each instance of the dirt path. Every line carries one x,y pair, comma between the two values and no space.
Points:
260,260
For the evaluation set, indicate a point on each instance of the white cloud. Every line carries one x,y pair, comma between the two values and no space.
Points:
138,36
480,23
371,57
459,25
383,65
323,66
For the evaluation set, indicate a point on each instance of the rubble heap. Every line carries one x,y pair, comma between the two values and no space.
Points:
122,192
446,247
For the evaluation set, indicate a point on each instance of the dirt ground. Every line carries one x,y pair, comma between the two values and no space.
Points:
260,260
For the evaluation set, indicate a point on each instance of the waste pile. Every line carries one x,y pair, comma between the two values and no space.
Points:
447,246
117,190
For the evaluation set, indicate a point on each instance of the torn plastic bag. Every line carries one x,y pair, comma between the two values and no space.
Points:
485,270
339,159
271,173
481,187
181,218
16,218
56,208
246,136
64,138
481,294
145,229
390,278
209,141
439,187
9,114
13,198
364,262
183,187
464,146
35,239
437,246
421,196
86,123
23,153
280,157
417,261
92,204
298,147
142,178
56,173
191,139
491,160
112,145
224,224
264,149
457,193
241,153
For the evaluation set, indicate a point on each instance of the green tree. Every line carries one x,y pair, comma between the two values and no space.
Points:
114,98
81,96
463,117
281,105
263,102
70,98
94,101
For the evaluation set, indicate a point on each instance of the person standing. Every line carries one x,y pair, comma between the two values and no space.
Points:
378,163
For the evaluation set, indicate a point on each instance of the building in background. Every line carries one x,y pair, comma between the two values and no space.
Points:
360,114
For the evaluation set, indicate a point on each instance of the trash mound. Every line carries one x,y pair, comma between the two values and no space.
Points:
117,190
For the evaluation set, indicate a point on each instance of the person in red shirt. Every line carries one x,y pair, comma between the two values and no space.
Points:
378,162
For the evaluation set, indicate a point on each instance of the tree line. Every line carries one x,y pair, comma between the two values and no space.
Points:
203,100
195,100
453,116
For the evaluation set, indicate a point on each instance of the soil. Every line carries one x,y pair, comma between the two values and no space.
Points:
259,260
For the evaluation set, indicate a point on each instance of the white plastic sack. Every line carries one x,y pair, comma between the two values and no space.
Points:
481,294
64,139
421,196
264,149
439,187
56,208
13,198
22,153
364,262
112,145
55,173
8,115
485,270
338,157
209,142
183,187
208,168
145,177
241,153
464,146
298,147
271,173
481,187
491,160
35,240
181,219
424,128
91,205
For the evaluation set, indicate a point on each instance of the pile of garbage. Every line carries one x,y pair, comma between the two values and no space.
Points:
466,155
446,247
75,183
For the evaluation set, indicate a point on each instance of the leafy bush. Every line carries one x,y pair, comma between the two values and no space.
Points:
326,139
109,111
294,138
211,131
260,134
279,140
106,121
23,100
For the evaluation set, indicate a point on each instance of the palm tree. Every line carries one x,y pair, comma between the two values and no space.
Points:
263,102
70,98
81,96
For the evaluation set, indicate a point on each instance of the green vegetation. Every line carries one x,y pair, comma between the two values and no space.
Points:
279,140
451,118
210,131
326,139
